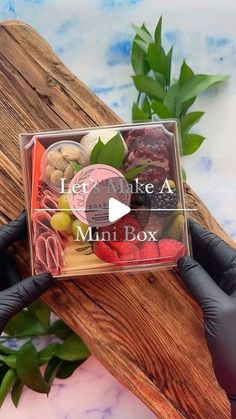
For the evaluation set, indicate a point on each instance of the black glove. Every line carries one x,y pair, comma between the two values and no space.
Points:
211,279
14,293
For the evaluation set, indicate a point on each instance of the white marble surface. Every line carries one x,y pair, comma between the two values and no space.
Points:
94,38
91,393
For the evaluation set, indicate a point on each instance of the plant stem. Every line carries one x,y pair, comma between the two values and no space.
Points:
138,98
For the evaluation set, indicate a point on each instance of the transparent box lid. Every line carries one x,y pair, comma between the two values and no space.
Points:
105,199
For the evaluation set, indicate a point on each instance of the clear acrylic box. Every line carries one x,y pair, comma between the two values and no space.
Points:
128,180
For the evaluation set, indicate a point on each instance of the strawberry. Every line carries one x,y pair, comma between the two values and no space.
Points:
103,251
122,248
128,220
149,252
131,258
116,252
171,250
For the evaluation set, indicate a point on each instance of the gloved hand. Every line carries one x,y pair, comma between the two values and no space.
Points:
14,293
211,279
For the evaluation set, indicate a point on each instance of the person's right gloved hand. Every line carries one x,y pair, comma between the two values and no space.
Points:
211,279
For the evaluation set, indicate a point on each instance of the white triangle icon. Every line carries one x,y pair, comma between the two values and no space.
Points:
117,210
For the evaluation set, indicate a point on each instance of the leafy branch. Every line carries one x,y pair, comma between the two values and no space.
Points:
113,154
162,96
21,367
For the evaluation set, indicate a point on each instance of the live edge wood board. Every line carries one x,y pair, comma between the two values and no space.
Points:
144,328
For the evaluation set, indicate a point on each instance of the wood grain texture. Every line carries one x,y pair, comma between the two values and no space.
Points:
144,328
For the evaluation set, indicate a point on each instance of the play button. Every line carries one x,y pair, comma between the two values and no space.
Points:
99,195
117,210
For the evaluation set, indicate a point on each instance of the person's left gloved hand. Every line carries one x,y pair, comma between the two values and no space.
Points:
14,293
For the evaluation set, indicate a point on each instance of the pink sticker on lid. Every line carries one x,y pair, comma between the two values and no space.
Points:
90,191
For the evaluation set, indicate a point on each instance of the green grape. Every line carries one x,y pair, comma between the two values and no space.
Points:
75,231
61,221
63,204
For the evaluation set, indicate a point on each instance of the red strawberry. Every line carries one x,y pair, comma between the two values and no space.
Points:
104,252
131,258
123,248
171,250
116,252
149,252
128,220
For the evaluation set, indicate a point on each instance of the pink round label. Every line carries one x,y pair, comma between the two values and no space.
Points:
90,191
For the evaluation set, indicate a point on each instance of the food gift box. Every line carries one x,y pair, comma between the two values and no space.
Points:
103,200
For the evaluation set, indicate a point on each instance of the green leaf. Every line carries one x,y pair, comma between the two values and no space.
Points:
67,368
160,109
148,85
16,392
47,353
185,106
142,33
52,370
142,45
169,65
113,152
189,120
76,166
158,31
184,175
146,108
59,329
138,60
161,79
7,383
170,98
186,73
139,57
9,360
73,349
197,85
132,174
27,367
191,143
96,151
42,311
7,351
24,324
157,58
138,114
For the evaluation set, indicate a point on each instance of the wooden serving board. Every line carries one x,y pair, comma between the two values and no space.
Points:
144,328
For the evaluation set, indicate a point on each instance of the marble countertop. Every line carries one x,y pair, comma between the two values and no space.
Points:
94,38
